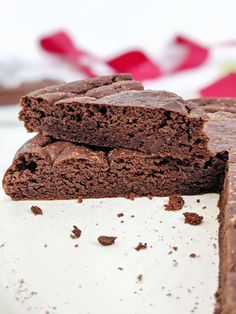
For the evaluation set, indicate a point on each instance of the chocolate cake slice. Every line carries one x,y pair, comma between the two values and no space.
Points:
156,122
45,168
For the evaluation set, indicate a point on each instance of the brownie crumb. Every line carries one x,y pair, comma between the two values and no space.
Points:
176,202
204,207
122,221
170,252
193,255
76,233
175,248
217,295
198,200
120,215
130,196
168,294
140,277
132,216
80,199
120,268
76,245
175,263
45,245
141,246
36,210
150,197
106,240
192,218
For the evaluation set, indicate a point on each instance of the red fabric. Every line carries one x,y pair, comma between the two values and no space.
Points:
224,87
136,63
195,55
61,44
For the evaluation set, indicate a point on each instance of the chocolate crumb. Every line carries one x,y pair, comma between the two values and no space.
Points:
192,218
76,233
122,221
33,293
198,200
36,210
141,246
175,263
175,202
130,196
193,255
120,268
132,216
80,199
106,240
150,197
170,252
140,277
45,245
204,207
76,245
120,215
168,294
175,248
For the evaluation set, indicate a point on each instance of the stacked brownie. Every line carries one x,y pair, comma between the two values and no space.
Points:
107,137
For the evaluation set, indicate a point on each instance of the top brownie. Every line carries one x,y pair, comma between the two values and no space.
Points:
114,111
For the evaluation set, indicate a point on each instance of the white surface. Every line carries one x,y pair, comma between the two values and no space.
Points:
106,26
87,279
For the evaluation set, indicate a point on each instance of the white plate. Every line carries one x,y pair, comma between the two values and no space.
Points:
61,278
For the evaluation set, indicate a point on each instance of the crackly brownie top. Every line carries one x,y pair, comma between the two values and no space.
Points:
221,130
94,87
57,151
115,90
151,99
211,105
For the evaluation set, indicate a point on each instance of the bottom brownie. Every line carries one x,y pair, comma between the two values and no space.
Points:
47,169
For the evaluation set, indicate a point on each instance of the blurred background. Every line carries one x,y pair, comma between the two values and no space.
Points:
188,47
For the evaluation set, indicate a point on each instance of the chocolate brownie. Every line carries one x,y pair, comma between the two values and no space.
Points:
222,132
211,105
150,121
45,168
12,95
